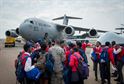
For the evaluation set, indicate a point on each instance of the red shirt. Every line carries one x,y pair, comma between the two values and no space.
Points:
66,60
74,61
121,54
84,45
98,51
111,57
47,49
23,58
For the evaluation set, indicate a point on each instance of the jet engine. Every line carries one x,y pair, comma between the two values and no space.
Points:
17,31
92,33
11,33
69,31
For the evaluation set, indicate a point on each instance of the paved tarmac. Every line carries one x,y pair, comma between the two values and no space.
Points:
7,70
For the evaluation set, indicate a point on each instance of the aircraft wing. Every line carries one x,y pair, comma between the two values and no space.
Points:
61,27
86,29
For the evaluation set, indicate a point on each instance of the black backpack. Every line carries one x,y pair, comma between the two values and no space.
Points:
20,73
49,62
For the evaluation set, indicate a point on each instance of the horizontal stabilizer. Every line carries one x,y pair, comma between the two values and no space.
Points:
119,28
68,17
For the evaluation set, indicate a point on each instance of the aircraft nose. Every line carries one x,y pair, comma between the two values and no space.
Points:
24,29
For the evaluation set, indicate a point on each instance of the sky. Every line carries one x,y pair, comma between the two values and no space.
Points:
98,14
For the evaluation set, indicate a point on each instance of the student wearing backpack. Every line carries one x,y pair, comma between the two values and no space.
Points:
21,66
82,52
27,62
119,51
114,74
96,57
75,77
67,69
105,58
40,64
19,70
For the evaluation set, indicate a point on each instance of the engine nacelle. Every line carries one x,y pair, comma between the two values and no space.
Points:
69,31
93,33
11,33
17,31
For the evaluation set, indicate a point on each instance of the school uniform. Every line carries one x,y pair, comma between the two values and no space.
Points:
105,66
97,51
75,78
27,63
119,52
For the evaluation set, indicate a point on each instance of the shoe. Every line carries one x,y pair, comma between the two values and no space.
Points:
119,83
96,79
103,81
116,79
113,75
109,83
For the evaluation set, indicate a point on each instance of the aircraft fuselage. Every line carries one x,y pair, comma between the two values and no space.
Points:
35,29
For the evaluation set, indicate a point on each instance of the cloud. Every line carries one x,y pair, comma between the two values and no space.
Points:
106,14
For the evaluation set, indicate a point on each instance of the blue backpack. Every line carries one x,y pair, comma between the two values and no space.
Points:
123,55
85,70
123,59
104,56
49,62
69,56
82,53
67,71
20,73
34,74
93,54
82,68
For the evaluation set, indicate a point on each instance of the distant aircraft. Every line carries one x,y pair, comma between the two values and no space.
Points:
35,29
121,29
111,36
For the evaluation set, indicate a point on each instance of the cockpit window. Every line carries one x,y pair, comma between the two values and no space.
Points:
31,22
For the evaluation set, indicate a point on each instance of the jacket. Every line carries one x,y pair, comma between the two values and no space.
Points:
97,51
74,61
111,56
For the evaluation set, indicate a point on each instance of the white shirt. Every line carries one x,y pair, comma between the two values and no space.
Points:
117,51
28,64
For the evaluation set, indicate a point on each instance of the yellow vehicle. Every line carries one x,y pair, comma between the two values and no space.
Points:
10,41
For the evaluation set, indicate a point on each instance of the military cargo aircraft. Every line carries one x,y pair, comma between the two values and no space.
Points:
35,29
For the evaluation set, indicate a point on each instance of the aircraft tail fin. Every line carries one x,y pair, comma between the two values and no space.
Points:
66,18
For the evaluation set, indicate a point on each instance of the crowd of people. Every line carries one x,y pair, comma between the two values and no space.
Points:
58,62
113,53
